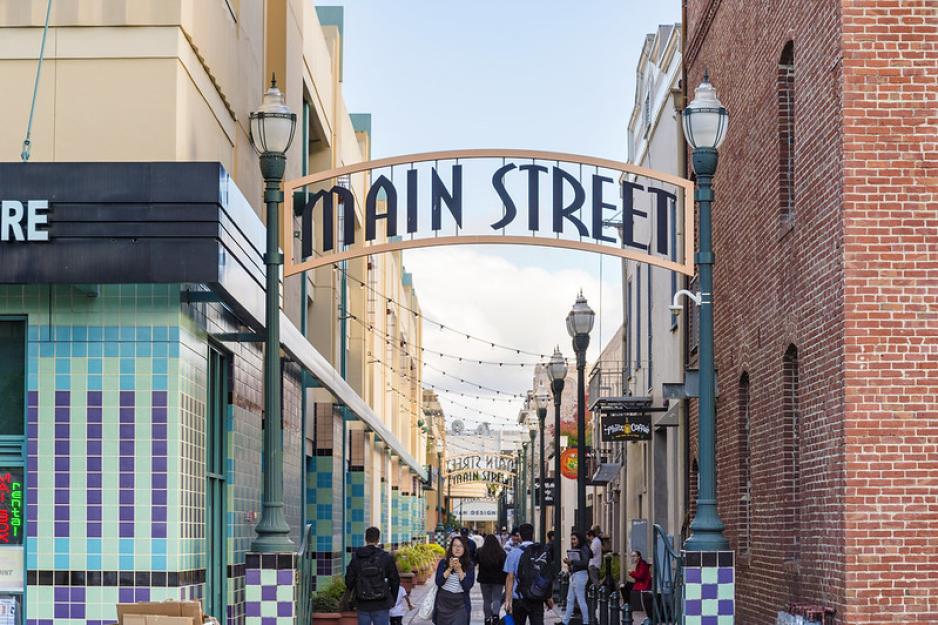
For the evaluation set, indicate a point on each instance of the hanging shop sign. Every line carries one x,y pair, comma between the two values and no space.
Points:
568,463
547,493
520,197
11,506
24,221
626,426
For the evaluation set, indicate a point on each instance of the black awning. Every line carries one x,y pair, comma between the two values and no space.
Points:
606,473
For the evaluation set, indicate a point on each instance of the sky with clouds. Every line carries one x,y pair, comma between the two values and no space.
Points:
536,74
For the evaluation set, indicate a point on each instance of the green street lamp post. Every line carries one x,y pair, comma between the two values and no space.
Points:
532,430
523,484
557,368
439,491
579,324
705,122
540,404
271,134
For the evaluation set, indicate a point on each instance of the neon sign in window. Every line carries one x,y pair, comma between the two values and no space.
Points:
11,506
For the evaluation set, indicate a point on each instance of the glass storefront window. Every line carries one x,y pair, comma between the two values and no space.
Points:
12,377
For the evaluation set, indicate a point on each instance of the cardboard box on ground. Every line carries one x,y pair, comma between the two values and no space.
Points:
163,613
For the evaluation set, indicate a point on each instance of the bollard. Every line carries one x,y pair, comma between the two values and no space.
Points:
564,588
591,603
615,615
603,603
626,612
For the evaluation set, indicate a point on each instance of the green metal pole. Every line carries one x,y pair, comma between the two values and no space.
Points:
273,533
533,512
706,528
580,343
542,482
439,491
557,389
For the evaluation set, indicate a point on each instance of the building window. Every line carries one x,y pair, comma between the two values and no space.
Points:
745,473
786,136
638,318
12,378
791,448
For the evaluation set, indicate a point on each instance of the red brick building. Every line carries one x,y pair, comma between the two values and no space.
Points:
826,301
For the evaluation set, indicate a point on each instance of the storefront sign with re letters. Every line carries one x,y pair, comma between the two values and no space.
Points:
24,221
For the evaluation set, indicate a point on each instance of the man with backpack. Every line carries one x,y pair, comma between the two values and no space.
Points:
530,582
373,580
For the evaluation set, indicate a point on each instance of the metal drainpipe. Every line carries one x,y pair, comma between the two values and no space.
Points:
304,168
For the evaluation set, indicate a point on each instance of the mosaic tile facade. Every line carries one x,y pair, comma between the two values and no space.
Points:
709,588
270,591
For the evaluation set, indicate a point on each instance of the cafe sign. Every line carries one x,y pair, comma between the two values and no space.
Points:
519,197
624,419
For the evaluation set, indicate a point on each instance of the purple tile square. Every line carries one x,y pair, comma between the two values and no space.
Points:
127,448
127,398
725,606
125,595
94,431
60,594
159,513
61,464
158,415
127,464
76,593
61,610
94,480
268,593
94,497
159,398
692,575
94,464
61,494
285,577
126,430
126,530
159,464
61,415
78,610
159,448
708,591
708,620
126,497
62,430
94,447
62,398
62,448
252,608
32,398
725,575
94,415
62,513
126,480
159,530
32,430
268,620
692,607
252,577
159,480
284,608
126,514
94,530
61,529
94,398
159,432
141,594
126,415
158,498
94,513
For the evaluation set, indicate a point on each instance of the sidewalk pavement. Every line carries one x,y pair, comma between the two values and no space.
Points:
478,617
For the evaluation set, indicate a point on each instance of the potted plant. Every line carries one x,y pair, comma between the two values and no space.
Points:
403,559
326,603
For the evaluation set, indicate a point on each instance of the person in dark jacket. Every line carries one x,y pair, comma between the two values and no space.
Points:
491,561
470,544
577,561
455,577
373,581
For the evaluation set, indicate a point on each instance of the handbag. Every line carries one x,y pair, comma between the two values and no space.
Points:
425,610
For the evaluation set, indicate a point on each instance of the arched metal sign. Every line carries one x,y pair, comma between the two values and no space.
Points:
494,462
520,197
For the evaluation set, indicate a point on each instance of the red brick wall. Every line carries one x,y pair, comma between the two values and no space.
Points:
778,285
890,69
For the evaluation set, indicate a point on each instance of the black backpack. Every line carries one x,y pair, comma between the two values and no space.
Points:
536,572
371,585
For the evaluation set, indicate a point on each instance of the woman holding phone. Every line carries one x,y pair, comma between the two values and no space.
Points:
455,576
577,561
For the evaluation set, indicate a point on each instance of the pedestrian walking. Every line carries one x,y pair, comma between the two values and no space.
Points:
455,577
514,540
470,544
492,578
529,579
400,608
577,561
594,535
373,580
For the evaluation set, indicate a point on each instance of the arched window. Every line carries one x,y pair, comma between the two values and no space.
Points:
791,447
745,471
786,135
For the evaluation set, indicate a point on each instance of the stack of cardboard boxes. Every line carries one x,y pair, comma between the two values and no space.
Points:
163,613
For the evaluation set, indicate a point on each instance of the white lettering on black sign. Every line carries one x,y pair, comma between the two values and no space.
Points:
24,223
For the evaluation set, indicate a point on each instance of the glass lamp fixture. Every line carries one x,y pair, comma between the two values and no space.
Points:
272,125
580,318
557,367
705,118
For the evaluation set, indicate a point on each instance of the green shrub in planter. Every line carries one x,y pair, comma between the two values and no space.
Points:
329,597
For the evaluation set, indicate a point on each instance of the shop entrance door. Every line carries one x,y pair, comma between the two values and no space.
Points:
216,456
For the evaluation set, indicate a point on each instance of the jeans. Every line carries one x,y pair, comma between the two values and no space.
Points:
378,617
577,592
492,599
527,612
